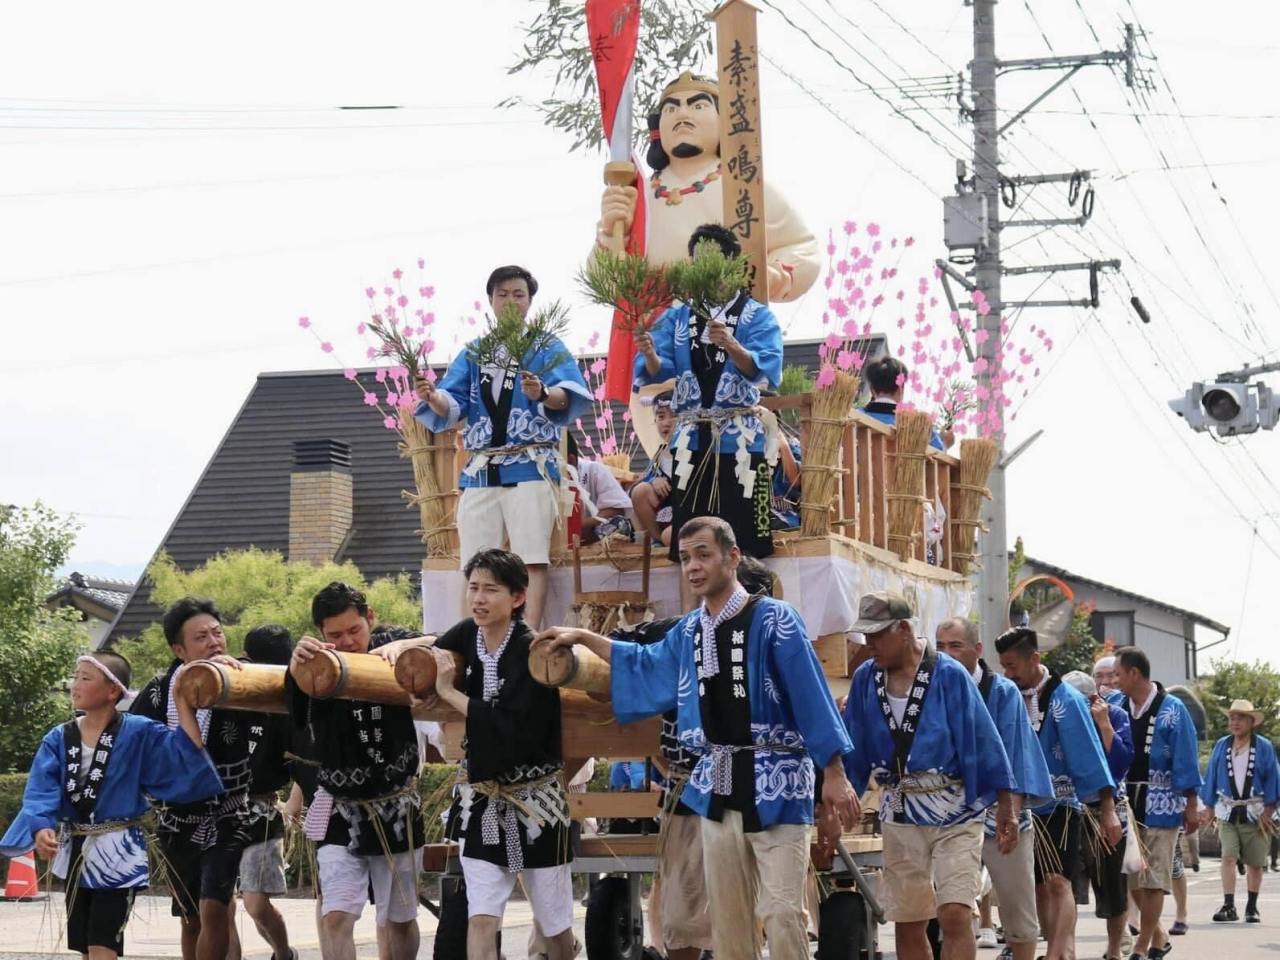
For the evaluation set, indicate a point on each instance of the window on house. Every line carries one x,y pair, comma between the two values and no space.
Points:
1115,626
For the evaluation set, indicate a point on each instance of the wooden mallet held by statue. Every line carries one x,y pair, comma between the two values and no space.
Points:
620,173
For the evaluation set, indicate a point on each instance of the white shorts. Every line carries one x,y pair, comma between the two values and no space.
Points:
524,514
345,878
549,889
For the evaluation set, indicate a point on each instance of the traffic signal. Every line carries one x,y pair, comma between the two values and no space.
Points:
1230,407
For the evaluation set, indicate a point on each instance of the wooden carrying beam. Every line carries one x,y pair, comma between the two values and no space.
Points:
256,686
349,676
416,671
572,668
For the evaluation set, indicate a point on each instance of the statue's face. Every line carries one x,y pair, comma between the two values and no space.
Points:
689,124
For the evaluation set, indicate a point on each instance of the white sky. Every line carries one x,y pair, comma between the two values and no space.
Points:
175,189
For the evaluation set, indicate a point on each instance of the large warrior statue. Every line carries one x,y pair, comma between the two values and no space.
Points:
684,191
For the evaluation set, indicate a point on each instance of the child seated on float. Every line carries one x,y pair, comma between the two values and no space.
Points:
785,492
87,792
651,495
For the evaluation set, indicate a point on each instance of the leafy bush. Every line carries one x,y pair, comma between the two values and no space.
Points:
253,587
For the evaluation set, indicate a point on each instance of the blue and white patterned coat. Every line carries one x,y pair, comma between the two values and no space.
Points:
1174,765
1073,750
957,760
529,421
757,332
790,706
1218,792
147,758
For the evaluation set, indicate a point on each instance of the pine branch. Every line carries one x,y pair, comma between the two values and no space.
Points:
627,283
512,340
707,279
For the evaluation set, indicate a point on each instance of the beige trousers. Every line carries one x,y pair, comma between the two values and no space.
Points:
756,880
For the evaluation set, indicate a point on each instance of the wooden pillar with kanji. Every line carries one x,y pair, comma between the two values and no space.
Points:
742,156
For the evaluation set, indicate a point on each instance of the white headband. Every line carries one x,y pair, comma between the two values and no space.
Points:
106,671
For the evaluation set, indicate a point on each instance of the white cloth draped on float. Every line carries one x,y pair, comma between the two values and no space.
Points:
825,589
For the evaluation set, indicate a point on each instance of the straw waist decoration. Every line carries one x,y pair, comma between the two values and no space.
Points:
536,803
720,419
538,453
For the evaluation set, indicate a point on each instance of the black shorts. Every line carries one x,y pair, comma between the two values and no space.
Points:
1057,849
195,874
714,491
97,918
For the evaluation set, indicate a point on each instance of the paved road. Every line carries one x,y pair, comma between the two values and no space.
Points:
1054,622
30,931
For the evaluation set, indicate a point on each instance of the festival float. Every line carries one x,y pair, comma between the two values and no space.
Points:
881,507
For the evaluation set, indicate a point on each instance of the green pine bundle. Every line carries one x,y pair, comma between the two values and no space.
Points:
628,283
707,279
509,339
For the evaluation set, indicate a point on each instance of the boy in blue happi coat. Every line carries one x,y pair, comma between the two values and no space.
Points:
1164,783
86,795
1241,789
1012,874
919,727
753,708
1080,774
513,415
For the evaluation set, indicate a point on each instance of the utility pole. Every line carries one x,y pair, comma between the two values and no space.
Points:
972,222
993,577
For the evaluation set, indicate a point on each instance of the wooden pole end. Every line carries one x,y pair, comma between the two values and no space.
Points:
201,684
416,671
322,676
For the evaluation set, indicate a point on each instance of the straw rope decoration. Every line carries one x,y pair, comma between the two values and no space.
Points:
906,483
603,617
436,507
977,457
831,408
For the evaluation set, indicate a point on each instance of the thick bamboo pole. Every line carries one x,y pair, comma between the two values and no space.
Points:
349,676
256,686
571,668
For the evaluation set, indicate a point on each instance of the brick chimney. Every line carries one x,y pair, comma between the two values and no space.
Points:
320,508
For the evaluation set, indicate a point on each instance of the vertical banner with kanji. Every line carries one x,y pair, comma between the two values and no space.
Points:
742,156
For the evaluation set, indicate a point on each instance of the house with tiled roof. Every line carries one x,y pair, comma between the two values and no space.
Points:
98,599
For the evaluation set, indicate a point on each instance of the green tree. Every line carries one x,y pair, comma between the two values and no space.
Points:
1016,563
675,35
38,646
1231,680
253,587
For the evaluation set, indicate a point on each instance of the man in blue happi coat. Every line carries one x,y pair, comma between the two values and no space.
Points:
919,727
754,709
721,355
1241,789
1012,874
1164,782
1080,773
1105,864
514,414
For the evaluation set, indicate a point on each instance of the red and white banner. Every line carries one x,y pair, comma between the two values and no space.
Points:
614,30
